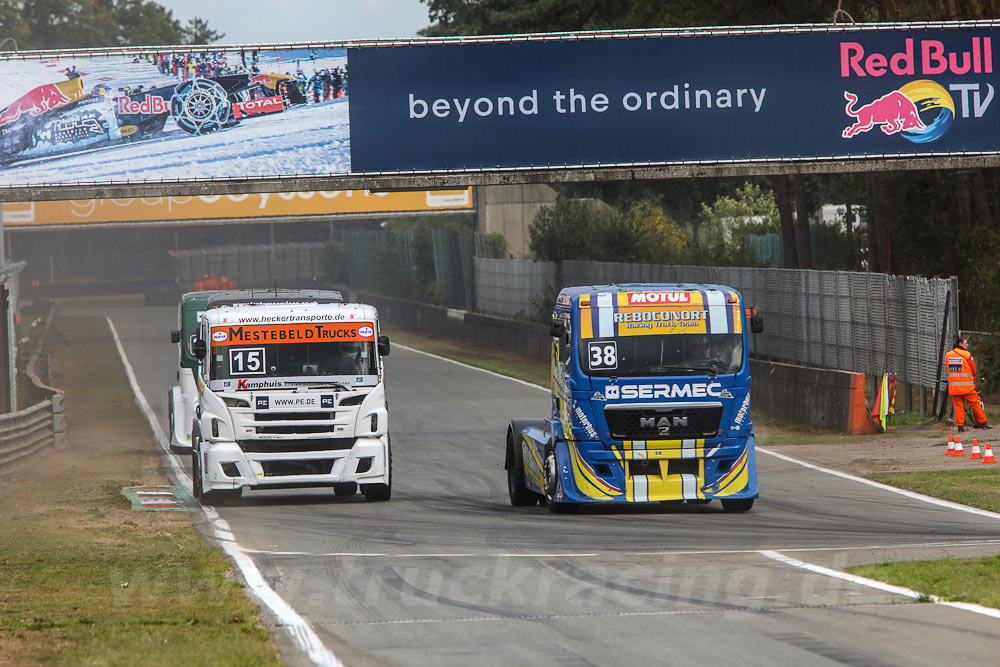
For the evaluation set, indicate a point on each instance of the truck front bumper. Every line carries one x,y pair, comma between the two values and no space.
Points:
228,466
656,471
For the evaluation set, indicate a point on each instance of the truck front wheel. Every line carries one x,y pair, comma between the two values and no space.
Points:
551,474
737,504
380,492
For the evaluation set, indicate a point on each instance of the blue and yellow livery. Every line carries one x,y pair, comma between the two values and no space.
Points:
650,401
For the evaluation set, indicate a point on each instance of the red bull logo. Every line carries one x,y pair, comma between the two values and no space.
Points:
264,79
920,112
151,105
36,102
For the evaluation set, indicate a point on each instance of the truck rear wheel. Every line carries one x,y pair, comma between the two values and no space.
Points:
737,504
519,494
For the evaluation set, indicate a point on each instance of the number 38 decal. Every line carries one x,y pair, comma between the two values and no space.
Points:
603,354
246,361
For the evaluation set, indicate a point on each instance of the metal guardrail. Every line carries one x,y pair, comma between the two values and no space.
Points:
26,432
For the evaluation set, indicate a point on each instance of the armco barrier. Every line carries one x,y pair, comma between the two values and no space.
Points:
525,338
828,399
28,431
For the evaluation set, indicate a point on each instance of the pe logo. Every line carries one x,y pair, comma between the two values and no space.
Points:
219,336
920,111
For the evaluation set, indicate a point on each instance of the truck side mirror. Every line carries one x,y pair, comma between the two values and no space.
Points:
199,349
557,328
175,336
383,346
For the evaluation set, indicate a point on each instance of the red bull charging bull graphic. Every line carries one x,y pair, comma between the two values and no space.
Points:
903,111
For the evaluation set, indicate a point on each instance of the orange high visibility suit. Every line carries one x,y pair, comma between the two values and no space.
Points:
962,386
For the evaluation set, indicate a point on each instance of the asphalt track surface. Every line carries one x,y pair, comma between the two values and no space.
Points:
448,573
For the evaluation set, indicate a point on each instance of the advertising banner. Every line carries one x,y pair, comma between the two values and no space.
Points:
173,115
223,207
707,98
426,110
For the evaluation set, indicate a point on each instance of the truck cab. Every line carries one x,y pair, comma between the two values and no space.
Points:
290,395
183,396
650,401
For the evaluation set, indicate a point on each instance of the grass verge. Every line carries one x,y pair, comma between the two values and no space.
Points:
975,580
86,580
976,488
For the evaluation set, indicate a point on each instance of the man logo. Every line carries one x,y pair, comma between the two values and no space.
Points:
662,424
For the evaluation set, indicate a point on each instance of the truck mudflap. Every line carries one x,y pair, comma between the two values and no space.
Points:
651,471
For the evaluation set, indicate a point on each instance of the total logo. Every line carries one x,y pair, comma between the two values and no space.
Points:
366,332
921,111
219,336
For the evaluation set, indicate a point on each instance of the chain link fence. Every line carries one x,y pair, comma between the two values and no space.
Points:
862,322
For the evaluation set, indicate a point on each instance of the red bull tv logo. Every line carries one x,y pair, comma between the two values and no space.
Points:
920,111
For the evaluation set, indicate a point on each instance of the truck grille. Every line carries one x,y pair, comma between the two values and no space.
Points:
289,468
648,423
291,416
292,429
297,445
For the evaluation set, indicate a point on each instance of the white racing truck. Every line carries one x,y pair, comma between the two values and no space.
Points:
290,395
182,397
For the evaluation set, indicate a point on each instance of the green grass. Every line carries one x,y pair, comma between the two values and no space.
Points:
86,580
976,488
975,580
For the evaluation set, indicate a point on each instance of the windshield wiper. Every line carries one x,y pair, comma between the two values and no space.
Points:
712,370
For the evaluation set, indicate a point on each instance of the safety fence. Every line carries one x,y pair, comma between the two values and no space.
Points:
861,322
26,432
283,264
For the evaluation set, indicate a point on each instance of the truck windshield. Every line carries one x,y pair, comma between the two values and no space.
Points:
668,354
290,360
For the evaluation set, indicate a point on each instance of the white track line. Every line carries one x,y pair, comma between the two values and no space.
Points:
885,487
882,586
475,368
626,554
302,634
836,473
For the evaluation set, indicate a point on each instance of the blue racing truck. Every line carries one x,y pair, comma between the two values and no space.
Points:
650,401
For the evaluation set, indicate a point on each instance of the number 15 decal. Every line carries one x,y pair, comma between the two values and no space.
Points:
603,354
246,361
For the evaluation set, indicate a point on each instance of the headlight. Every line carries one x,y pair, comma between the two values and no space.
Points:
235,402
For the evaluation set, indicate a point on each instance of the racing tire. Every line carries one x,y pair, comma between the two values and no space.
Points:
200,106
519,494
551,478
737,504
196,488
345,489
379,492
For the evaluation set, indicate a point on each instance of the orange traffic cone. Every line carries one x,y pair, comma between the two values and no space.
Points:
951,446
976,455
989,455
959,450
